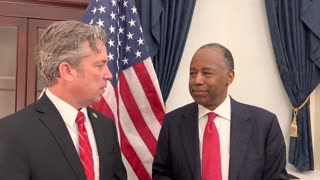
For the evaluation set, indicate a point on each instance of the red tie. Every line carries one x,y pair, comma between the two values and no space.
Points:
211,160
85,148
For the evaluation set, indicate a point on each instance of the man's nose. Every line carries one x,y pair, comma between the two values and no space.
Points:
198,79
107,74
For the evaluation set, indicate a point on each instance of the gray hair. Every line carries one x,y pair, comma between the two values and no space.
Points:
64,41
228,58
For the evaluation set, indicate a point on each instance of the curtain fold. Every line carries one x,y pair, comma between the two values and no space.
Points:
166,25
294,28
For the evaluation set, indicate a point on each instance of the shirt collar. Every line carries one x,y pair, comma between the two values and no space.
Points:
223,110
67,112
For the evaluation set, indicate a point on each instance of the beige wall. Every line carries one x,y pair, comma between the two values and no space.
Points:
241,26
316,126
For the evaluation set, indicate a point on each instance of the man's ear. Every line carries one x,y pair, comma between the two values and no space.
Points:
230,77
66,71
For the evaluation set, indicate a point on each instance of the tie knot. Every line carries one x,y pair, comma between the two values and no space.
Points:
211,116
80,118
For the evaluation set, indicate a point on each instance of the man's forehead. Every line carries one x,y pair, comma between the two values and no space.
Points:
210,51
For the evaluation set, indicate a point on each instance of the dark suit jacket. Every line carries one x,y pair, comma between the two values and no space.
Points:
35,145
257,148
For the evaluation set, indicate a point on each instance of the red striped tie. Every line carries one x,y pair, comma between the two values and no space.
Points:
211,160
85,148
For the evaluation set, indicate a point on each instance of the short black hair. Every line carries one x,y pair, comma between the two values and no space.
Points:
228,58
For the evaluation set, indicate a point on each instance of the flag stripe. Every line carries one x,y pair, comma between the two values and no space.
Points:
130,172
103,107
135,115
134,138
126,147
143,102
132,157
149,90
133,97
149,66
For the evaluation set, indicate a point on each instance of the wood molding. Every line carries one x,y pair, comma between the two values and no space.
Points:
71,3
41,10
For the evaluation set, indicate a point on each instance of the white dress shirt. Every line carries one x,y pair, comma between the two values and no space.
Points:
69,114
222,122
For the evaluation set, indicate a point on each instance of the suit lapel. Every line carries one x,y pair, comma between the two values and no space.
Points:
241,126
190,139
100,136
52,119
99,132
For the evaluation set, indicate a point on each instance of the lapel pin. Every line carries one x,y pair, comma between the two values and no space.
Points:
94,115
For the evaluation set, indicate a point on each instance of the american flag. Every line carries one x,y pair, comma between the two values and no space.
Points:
133,97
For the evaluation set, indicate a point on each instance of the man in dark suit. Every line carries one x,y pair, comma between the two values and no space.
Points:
43,141
250,142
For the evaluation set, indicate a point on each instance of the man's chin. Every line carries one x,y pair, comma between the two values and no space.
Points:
202,101
96,100
199,100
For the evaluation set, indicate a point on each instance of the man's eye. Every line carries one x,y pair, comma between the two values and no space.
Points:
100,65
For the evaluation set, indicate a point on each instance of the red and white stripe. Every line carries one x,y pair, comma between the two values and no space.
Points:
136,106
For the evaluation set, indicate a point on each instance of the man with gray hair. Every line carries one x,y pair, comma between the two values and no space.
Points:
216,137
60,136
